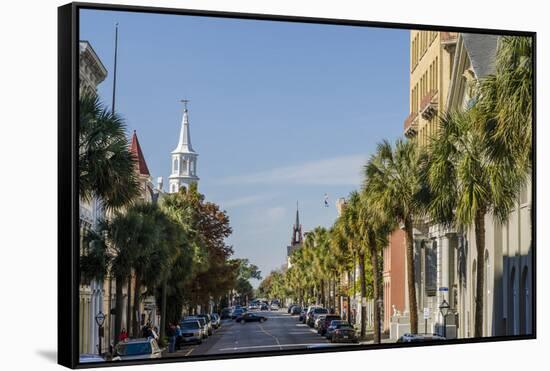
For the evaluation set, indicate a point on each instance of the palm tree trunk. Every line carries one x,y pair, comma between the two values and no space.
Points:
480,245
163,312
323,292
119,282
137,294
413,309
349,298
376,288
129,307
363,281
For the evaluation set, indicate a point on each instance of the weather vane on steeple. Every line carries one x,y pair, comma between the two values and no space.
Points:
184,101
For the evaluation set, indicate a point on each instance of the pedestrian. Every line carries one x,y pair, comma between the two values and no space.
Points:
123,336
171,332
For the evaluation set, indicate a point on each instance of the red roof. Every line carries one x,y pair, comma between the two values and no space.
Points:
135,148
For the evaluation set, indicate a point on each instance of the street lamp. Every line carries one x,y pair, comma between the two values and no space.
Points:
444,310
100,320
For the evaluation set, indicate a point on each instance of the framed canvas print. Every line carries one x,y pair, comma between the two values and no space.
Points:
243,185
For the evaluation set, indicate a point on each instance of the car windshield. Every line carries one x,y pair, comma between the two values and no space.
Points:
320,310
343,326
331,318
133,349
200,319
190,325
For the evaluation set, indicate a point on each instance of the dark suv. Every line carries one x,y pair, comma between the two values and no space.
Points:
325,323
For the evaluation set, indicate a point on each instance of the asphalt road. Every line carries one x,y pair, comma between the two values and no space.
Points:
281,331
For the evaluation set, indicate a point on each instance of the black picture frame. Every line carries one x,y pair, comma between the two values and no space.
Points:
68,202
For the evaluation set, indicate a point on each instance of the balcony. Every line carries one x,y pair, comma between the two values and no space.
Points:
448,39
410,126
428,105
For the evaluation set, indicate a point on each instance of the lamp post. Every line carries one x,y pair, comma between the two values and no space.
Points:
100,320
444,310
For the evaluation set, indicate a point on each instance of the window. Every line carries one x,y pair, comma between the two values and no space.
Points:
431,268
175,166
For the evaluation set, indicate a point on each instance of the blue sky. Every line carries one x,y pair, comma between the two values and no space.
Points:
279,112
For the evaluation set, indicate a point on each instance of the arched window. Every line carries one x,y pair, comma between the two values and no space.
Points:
486,296
473,297
524,304
175,166
512,298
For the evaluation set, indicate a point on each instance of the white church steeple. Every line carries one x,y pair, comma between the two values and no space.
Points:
184,158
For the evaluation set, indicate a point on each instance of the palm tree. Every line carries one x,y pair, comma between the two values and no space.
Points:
352,231
395,184
375,228
105,164
466,183
340,247
505,100
110,250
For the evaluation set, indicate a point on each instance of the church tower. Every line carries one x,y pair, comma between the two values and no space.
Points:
296,239
184,158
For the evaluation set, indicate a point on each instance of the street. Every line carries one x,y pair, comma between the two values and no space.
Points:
281,331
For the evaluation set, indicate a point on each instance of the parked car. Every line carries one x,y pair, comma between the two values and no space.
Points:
90,358
204,325
191,332
208,321
289,309
216,320
343,333
264,306
325,321
251,317
313,314
295,310
274,306
137,349
237,312
332,326
419,338
319,318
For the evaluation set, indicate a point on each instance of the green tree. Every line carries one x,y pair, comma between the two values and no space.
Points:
105,163
467,182
505,102
374,228
396,186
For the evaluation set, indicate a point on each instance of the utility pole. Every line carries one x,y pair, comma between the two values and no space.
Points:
114,70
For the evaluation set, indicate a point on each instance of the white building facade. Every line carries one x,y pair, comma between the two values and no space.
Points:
445,258
91,294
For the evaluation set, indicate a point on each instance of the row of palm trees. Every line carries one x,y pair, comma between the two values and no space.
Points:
476,164
173,249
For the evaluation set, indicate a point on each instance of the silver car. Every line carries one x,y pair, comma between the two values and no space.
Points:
137,349
216,320
191,331
202,322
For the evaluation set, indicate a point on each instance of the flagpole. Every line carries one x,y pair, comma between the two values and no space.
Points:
114,74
